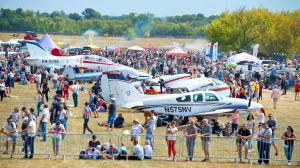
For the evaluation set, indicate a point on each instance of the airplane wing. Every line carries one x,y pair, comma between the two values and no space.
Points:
218,112
132,104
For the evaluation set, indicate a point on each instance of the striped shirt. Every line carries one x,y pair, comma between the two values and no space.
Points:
87,112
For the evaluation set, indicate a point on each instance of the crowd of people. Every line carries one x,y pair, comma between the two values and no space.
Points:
242,85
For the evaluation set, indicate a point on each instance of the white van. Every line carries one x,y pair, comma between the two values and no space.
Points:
266,63
256,68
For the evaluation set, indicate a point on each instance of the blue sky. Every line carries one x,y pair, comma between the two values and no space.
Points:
160,8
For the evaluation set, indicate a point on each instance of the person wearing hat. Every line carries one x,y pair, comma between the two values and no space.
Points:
57,129
97,154
136,130
94,142
111,114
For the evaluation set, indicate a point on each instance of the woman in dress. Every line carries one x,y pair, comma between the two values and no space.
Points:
66,90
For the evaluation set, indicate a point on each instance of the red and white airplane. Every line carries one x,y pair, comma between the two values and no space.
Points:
39,56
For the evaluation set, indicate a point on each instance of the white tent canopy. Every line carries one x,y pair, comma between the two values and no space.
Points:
243,57
11,41
136,48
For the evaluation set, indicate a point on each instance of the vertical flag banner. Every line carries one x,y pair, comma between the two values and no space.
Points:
207,49
215,51
255,50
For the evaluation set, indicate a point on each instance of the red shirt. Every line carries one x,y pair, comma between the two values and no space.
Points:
297,86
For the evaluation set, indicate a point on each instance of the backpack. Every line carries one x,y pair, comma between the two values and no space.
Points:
82,155
95,99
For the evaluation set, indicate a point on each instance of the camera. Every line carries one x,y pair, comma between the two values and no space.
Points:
168,125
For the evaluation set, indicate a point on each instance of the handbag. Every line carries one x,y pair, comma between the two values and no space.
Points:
285,146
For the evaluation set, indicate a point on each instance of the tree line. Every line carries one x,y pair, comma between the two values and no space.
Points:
278,33
75,23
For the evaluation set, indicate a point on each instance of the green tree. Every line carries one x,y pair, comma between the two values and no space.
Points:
75,16
129,34
90,13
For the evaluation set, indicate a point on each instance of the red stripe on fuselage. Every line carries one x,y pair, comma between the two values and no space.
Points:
95,62
221,89
178,79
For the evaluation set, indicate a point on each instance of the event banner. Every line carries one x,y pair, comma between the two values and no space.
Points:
207,49
255,50
215,51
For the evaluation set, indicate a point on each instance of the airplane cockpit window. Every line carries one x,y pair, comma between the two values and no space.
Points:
211,97
198,97
186,98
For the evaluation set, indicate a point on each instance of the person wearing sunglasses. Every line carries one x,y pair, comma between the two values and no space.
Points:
273,126
11,135
289,138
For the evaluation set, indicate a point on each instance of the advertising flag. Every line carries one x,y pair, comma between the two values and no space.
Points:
215,51
255,50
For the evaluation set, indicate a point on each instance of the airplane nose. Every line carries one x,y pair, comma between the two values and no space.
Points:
255,105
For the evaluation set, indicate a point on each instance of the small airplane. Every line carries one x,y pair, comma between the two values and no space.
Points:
183,83
93,76
201,103
41,57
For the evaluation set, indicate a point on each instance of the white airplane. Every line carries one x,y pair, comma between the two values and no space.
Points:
41,57
183,83
93,76
201,103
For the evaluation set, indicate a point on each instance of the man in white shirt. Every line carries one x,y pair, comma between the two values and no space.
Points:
38,78
138,152
11,135
153,121
44,119
29,143
57,130
75,89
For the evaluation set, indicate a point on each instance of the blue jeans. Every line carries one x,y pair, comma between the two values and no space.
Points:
234,127
29,143
150,139
75,99
44,127
272,84
265,148
12,82
39,107
259,149
64,123
289,152
54,83
190,143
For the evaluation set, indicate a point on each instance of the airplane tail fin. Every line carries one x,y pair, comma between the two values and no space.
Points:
114,84
70,71
36,50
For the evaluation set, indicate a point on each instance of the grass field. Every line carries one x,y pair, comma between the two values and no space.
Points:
119,42
286,114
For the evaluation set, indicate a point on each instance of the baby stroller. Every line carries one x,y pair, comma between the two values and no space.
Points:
226,131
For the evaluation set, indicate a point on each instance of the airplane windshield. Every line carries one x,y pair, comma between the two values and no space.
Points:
211,97
185,98
95,58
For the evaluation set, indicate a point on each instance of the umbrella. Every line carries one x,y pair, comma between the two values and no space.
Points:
136,48
53,66
230,64
243,57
